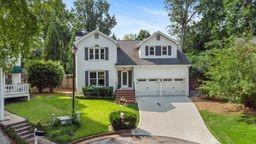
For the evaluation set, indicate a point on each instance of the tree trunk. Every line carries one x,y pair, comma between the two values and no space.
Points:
40,89
50,89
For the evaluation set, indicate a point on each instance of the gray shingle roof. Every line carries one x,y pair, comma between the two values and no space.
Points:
127,54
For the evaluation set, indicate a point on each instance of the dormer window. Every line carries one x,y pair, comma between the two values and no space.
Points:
151,50
158,37
96,36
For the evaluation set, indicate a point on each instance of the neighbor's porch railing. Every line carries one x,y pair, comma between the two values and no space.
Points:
17,90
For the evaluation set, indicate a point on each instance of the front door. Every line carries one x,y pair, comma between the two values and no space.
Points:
124,79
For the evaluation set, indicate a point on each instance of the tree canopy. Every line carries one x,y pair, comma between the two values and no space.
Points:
94,14
18,25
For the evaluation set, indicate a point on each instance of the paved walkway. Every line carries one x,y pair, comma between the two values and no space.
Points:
172,116
3,138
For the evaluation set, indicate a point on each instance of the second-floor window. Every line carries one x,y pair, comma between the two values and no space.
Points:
97,54
164,50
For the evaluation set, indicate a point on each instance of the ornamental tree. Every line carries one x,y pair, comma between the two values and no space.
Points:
44,74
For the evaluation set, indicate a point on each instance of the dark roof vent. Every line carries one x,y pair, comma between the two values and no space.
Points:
81,33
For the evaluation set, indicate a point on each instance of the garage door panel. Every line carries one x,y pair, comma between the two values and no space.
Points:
160,86
147,87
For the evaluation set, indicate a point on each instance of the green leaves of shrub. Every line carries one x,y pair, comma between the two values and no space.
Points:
130,120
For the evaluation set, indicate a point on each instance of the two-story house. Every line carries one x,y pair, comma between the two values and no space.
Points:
155,66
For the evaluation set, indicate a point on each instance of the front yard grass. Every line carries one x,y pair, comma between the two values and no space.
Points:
230,123
231,129
94,115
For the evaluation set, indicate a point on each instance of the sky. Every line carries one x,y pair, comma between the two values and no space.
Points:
133,15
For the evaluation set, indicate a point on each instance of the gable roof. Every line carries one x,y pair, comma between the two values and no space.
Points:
127,54
154,34
92,32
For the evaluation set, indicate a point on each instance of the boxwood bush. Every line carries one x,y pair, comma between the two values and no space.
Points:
130,120
102,92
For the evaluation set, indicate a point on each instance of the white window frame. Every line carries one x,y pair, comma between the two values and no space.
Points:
97,78
94,54
166,49
153,50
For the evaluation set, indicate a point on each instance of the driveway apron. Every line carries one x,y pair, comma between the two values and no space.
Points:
172,116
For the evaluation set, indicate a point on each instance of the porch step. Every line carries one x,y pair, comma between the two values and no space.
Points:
125,95
23,130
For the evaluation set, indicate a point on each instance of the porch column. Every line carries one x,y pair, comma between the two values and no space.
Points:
1,95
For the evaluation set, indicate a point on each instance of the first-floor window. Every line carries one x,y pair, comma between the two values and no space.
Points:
97,78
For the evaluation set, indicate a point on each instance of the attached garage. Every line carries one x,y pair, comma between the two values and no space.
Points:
160,87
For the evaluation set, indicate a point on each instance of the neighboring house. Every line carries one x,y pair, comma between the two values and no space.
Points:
14,83
155,66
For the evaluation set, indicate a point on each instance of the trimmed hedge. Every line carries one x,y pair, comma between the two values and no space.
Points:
130,120
93,92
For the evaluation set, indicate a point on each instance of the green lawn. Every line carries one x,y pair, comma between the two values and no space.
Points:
231,129
94,115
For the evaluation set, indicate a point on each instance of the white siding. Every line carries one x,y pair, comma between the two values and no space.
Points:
92,65
158,71
162,42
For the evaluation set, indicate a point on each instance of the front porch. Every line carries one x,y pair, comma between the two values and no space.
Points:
17,90
125,92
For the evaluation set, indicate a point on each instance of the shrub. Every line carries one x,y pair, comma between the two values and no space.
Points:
232,73
103,92
130,120
44,74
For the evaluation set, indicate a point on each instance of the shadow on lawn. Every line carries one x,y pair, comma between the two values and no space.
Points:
248,118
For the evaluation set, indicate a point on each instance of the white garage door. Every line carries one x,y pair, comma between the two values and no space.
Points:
147,87
163,86
174,86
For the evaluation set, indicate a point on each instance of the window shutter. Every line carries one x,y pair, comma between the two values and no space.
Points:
130,78
146,50
119,80
107,78
169,50
86,78
158,50
86,53
106,53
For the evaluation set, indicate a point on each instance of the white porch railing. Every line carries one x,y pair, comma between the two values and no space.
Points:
17,90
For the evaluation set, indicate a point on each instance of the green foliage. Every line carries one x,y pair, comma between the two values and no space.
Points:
130,120
219,20
181,14
93,14
55,34
18,25
231,74
102,92
13,135
44,74
143,34
130,36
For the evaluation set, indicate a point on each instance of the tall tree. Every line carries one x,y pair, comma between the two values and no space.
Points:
18,25
53,41
94,14
142,34
181,14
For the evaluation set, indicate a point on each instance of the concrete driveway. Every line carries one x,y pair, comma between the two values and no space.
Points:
172,116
